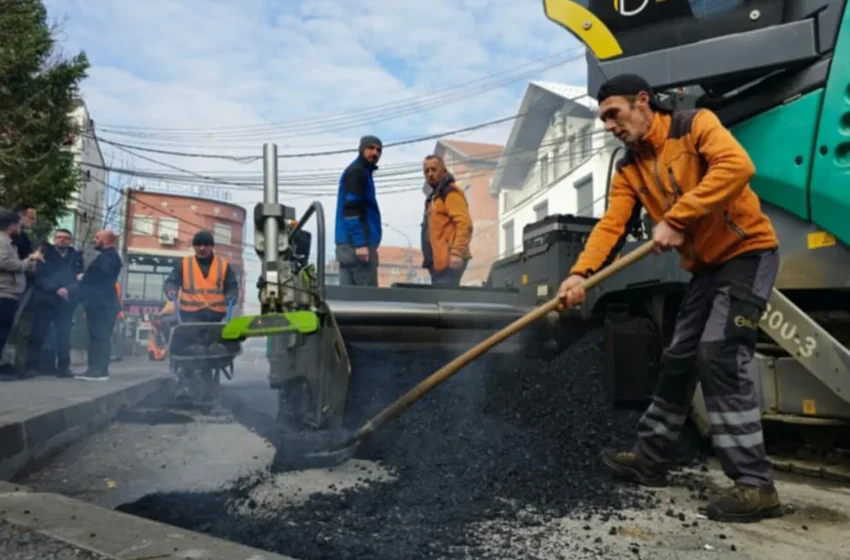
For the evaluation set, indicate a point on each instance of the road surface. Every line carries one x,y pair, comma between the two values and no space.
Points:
432,489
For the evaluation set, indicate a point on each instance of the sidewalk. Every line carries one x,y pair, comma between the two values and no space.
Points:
40,416
40,526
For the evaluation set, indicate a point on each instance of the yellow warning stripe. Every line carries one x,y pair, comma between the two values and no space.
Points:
587,28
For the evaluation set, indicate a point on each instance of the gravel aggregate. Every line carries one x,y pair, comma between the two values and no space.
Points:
485,466
19,543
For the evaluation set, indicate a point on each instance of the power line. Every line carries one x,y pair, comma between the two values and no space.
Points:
385,186
393,108
405,142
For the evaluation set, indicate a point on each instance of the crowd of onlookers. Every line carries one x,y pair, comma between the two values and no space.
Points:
45,283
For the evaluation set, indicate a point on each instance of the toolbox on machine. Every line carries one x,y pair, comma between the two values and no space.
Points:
550,247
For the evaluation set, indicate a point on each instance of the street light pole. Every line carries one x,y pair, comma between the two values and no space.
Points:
410,274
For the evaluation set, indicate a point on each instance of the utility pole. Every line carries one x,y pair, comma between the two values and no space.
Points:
410,274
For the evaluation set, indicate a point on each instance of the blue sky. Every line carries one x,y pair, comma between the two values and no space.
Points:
209,66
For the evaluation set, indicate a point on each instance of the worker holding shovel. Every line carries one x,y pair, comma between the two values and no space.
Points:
692,177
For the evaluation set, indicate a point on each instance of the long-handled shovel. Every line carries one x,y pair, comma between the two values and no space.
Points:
349,445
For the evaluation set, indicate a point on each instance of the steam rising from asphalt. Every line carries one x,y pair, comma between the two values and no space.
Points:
482,467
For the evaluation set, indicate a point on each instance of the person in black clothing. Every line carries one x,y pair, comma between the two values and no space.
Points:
52,303
21,240
203,243
100,302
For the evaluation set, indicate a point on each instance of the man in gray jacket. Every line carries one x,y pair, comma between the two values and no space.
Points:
12,268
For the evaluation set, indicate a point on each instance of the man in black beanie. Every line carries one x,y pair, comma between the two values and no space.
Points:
206,284
692,177
358,218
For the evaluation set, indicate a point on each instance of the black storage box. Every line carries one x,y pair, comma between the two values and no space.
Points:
550,248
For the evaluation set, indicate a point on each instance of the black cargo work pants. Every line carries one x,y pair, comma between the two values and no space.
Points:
353,271
8,312
100,322
61,317
713,341
450,277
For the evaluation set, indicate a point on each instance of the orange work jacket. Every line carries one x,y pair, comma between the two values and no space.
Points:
120,300
449,225
198,292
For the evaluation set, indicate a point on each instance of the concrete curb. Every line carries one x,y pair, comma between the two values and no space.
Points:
113,534
27,442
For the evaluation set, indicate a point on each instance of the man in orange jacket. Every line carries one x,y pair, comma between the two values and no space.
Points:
446,225
693,178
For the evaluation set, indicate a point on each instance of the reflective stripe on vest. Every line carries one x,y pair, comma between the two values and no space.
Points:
120,300
198,292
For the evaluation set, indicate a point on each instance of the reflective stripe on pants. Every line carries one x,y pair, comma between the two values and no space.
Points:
713,342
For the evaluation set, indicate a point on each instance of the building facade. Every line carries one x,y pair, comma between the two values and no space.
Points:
401,265
556,161
473,164
86,211
396,265
157,231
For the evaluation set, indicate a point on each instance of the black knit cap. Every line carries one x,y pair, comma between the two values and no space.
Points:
203,238
370,140
631,84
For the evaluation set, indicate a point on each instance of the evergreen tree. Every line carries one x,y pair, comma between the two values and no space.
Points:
38,90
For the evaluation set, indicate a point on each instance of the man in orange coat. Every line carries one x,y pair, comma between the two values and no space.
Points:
446,226
693,178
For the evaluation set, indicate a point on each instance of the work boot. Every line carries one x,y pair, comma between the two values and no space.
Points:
626,463
744,504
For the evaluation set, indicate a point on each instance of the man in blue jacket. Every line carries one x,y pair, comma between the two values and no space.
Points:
358,218
53,303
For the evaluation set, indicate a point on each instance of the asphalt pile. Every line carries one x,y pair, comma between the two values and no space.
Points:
484,467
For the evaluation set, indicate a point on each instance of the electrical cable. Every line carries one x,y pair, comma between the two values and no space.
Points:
404,142
382,109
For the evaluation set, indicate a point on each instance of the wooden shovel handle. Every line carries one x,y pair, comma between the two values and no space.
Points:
451,368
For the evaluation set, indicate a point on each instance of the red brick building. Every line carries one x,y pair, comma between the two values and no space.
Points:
398,265
472,164
157,230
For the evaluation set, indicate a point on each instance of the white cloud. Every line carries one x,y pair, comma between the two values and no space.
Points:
212,64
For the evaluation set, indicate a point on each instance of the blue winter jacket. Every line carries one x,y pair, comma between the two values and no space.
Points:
358,218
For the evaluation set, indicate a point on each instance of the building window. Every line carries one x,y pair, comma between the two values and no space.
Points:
573,149
145,286
143,225
508,230
586,141
169,226
557,164
541,210
223,234
584,196
135,288
153,286
544,171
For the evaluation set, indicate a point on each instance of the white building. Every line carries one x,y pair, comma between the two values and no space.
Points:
555,162
86,210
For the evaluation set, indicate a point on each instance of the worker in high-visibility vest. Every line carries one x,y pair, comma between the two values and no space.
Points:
203,284
162,324
120,300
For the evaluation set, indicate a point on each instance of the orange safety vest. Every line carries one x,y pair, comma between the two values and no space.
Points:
203,293
120,300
